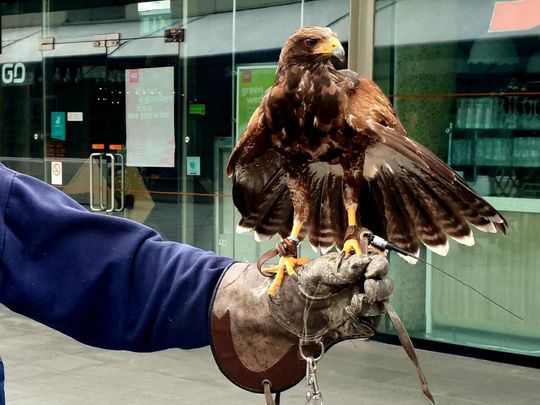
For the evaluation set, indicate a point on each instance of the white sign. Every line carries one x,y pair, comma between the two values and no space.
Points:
150,117
154,5
56,173
13,73
74,116
193,164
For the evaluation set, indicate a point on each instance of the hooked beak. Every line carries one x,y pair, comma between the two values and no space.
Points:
339,53
331,47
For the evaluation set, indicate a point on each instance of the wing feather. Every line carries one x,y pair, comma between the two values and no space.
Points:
428,230
444,209
423,198
399,228
317,218
408,194
254,143
326,223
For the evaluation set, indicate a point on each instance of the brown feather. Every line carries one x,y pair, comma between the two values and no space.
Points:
399,228
326,224
256,186
317,132
443,208
253,144
428,230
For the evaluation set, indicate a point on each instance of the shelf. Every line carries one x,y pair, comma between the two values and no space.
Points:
517,151
501,129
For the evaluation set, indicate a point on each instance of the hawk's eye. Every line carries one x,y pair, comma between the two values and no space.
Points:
311,42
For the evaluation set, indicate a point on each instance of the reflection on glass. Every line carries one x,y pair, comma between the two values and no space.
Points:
484,88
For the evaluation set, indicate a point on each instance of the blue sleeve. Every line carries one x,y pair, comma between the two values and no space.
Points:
105,281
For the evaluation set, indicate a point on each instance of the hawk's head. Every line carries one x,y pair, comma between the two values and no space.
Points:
311,45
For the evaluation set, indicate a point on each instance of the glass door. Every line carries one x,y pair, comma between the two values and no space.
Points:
110,106
21,93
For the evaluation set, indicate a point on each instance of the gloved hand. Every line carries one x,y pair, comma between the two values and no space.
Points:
256,338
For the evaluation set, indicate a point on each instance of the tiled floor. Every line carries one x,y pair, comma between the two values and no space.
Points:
44,367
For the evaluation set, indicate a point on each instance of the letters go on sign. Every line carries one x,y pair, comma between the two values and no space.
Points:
13,73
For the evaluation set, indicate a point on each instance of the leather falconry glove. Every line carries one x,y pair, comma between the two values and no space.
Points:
259,341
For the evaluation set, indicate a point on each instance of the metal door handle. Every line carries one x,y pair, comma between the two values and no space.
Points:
102,189
120,158
107,181
111,207
92,158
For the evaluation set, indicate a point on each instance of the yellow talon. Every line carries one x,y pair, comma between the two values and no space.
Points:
286,264
352,246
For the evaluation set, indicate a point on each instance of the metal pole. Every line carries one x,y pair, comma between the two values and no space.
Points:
362,37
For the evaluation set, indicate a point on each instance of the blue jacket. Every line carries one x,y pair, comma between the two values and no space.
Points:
105,281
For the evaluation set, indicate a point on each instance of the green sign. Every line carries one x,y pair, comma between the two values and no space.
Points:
58,125
252,82
193,165
197,109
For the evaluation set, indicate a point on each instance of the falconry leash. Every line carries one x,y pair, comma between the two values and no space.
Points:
387,245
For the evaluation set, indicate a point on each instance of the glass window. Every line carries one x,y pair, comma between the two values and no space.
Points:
83,93
21,139
132,108
464,77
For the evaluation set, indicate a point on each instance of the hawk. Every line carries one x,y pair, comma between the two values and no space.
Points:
325,153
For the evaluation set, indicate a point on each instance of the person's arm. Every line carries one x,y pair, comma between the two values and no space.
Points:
105,281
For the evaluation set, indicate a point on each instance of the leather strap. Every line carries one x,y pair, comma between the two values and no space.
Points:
360,234
285,248
268,394
264,258
352,232
409,348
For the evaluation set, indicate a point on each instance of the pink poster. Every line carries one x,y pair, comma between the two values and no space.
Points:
150,117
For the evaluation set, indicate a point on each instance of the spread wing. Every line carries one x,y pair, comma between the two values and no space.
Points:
262,197
423,199
259,184
408,194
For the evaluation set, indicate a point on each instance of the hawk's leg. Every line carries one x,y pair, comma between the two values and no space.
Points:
357,239
287,248
352,179
353,241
